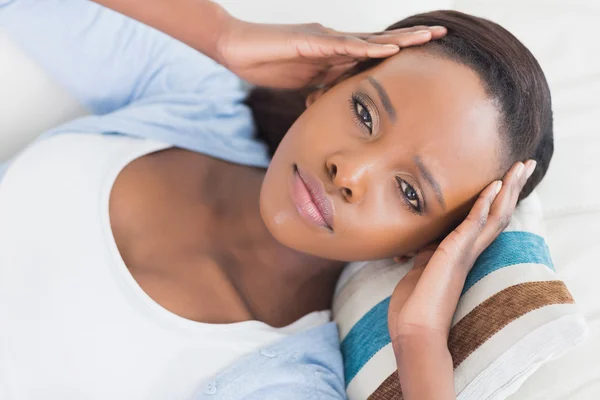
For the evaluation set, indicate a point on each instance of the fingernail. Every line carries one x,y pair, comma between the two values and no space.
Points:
436,28
391,46
520,169
422,32
531,168
498,186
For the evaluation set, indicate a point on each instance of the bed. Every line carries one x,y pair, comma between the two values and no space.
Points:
562,35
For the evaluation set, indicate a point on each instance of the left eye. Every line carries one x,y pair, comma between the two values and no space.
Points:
364,115
410,194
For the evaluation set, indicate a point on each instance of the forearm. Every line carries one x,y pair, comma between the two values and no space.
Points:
425,368
197,23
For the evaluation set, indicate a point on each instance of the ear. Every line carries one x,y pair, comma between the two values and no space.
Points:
314,96
404,258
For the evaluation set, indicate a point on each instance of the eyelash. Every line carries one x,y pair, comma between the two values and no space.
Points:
356,100
417,209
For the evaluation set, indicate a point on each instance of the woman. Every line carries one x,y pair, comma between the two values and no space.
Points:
133,269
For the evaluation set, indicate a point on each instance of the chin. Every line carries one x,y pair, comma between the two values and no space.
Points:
286,228
277,221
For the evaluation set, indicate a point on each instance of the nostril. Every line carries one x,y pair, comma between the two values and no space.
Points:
333,171
347,192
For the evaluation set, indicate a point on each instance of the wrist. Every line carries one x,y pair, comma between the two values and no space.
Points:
415,338
223,23
403,331
425,367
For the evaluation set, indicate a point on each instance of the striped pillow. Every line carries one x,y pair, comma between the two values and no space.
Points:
514,315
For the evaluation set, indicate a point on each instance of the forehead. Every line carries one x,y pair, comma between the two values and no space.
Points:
443,115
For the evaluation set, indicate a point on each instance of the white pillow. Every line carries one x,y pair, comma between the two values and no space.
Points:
514,315
31,102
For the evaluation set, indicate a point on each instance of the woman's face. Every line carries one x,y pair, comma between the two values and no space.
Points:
384,162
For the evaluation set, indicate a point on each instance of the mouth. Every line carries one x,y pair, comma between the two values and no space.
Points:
310,199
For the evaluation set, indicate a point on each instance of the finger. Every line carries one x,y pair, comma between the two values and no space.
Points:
437,31
327,46
337,60
399,36
502,209
362,46
474,224
403,39
425,255
368,35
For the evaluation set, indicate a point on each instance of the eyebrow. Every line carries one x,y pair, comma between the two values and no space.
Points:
432,182
385,99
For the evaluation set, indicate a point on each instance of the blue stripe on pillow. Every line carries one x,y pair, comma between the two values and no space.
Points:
365,339
509,248
370,334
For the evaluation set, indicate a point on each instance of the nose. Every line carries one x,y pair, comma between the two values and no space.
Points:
350,175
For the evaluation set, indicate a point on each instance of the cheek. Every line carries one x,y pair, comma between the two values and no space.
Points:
376,234
379,232
322,129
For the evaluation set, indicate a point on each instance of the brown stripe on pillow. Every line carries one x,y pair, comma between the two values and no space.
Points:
487,319
501,309
389,390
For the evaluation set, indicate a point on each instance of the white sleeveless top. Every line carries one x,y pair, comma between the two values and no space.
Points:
74,324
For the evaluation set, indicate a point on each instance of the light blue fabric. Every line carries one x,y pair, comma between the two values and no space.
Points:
370,334
134,79
140,82
304,366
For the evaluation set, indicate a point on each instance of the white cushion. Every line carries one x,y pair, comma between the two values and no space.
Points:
30,101
515,314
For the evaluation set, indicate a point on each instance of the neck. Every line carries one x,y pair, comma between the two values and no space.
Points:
186,216
279,284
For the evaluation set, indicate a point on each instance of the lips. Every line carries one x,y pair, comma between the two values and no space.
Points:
310,199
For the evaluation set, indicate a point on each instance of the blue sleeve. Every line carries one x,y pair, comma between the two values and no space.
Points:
135,79
106,60
304,366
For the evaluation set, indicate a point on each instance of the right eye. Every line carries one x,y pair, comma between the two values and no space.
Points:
410,195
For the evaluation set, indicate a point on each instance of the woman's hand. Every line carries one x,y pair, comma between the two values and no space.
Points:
282,56
425,300
439,274
294,56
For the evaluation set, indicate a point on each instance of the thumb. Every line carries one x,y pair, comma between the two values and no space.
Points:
425,254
